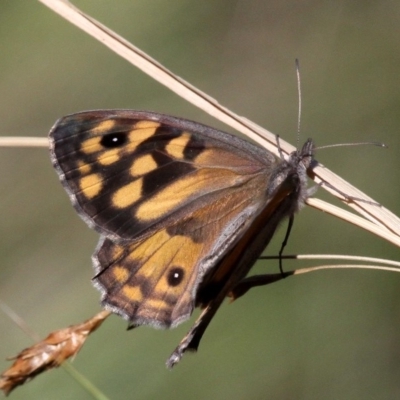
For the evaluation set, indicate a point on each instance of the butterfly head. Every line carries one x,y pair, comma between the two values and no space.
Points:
303,158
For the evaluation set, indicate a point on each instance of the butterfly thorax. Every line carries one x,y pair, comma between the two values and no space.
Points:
291,175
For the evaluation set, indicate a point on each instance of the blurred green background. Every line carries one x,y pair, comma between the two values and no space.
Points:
327,335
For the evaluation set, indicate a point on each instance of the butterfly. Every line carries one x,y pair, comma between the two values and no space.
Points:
183,210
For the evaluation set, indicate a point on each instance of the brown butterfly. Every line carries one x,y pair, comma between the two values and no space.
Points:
184,210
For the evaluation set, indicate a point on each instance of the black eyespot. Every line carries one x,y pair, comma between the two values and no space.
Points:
175,276
113,140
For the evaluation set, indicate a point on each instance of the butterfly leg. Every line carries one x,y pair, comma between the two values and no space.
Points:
192,339
256,280
285,241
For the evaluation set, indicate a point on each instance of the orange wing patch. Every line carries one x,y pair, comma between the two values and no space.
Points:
175,148
91,185
189,187
143,165
128,194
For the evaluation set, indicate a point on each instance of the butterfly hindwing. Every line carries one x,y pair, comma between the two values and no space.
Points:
155,280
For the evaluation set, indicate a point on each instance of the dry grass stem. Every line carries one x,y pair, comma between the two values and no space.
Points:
9,141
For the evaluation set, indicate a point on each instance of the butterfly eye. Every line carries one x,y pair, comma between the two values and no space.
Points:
113,140
175,276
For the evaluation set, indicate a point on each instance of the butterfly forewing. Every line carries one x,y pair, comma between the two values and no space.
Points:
128,173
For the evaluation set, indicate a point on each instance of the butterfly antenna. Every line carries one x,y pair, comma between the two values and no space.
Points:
299,93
